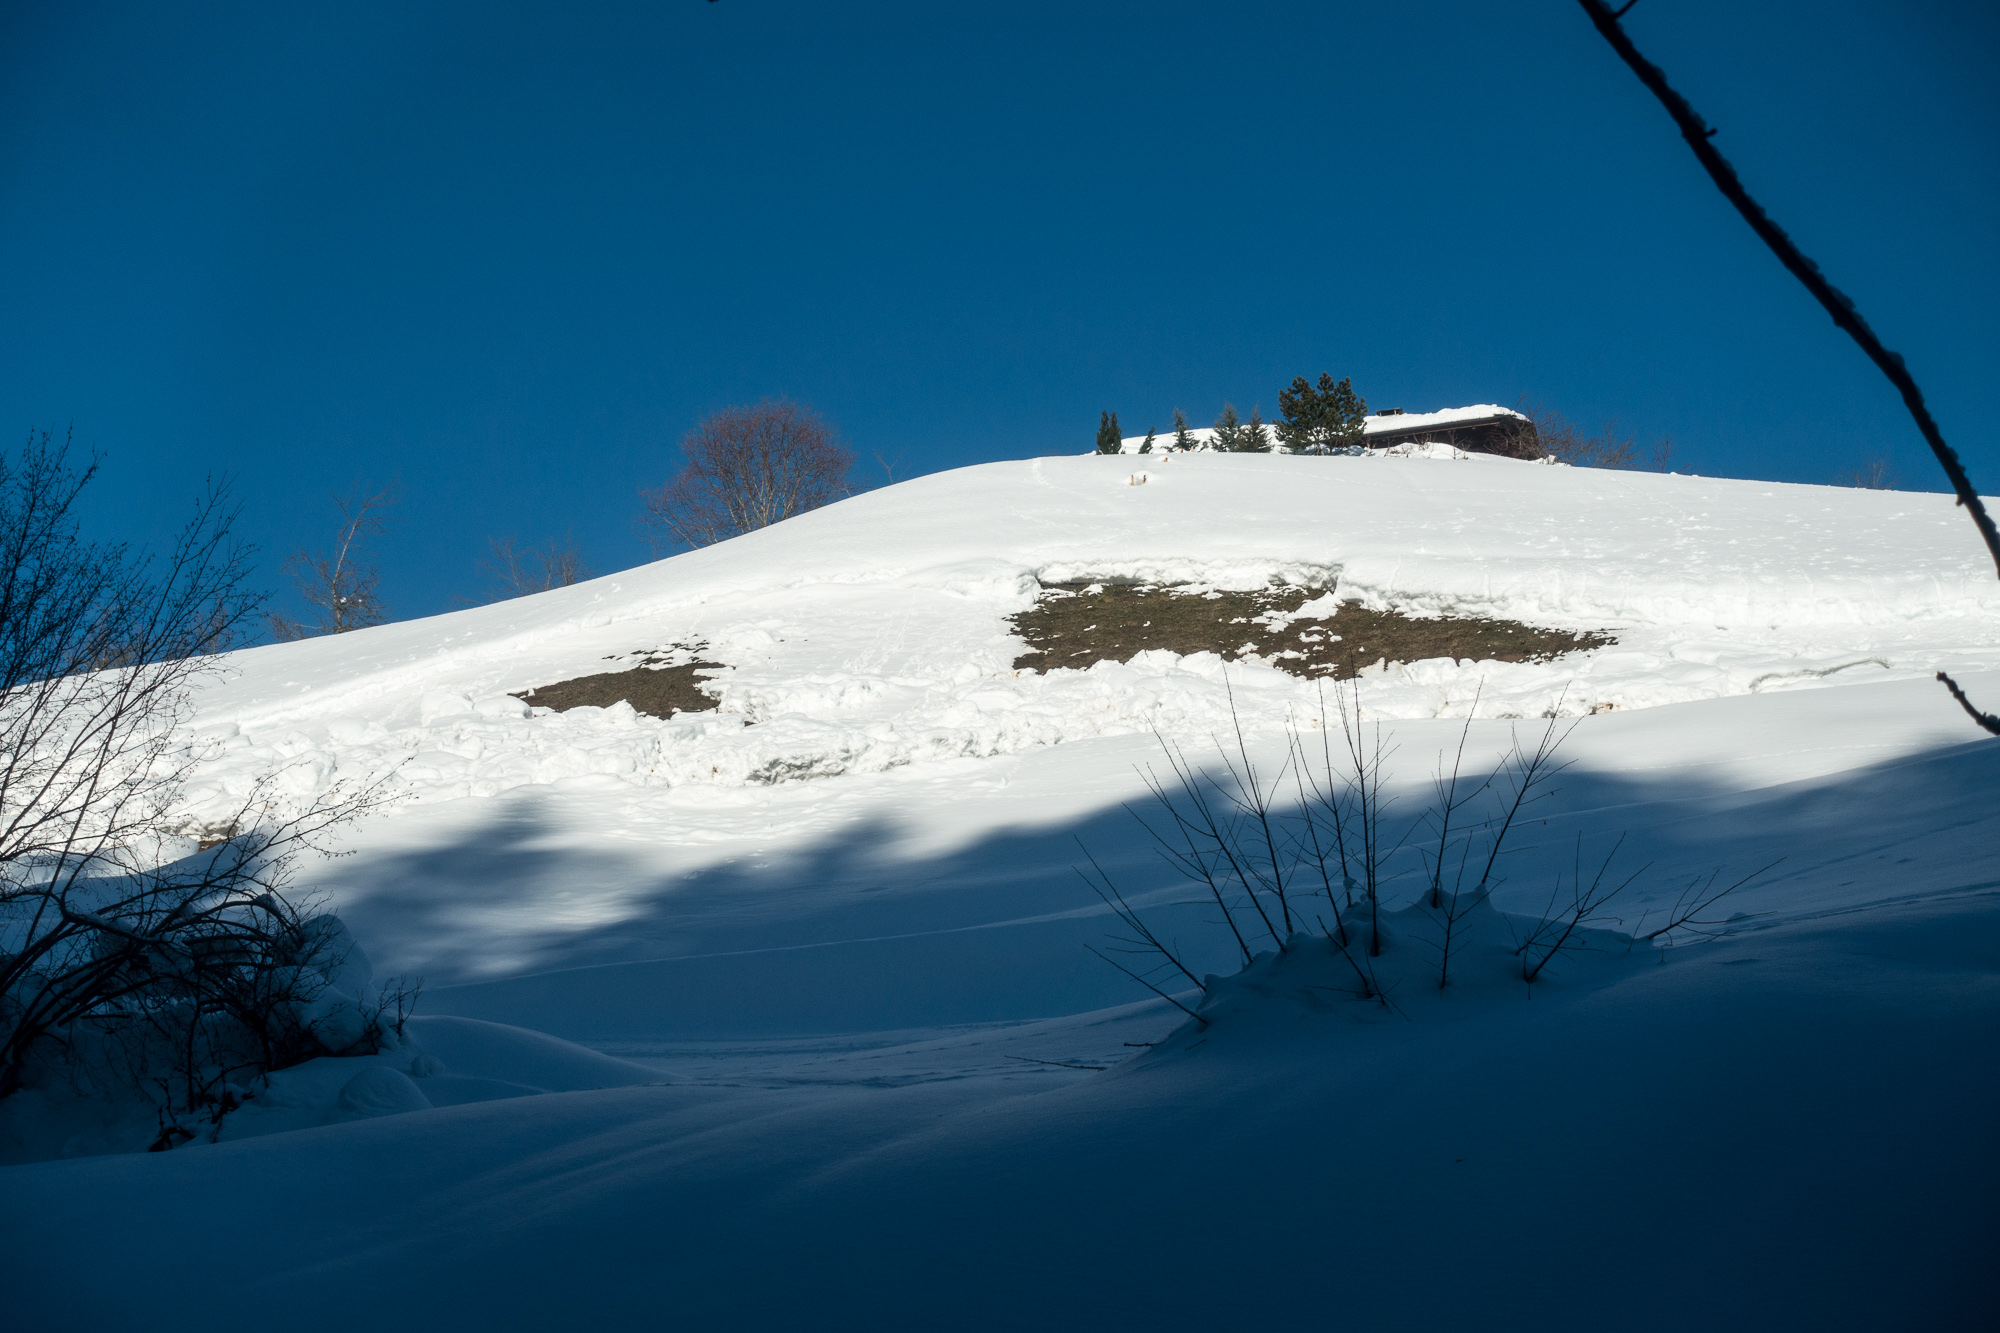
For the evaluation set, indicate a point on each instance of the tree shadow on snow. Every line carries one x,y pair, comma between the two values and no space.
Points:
851,934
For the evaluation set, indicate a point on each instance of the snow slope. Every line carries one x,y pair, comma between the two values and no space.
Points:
838,926
871,634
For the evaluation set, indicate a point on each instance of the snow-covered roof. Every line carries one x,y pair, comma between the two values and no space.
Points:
1402,423
1442,418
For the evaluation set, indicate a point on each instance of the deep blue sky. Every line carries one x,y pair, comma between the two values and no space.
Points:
510,252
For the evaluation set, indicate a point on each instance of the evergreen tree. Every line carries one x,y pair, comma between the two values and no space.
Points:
1256,436
1329,416
1182,440
1344,411
1108,439
1146,445
1228,429
1300,430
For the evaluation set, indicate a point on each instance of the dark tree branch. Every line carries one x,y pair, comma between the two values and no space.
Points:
1986,720
1151,987
1697,133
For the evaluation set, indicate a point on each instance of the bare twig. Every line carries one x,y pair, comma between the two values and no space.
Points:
1698,897
1556,931
1151,987
1147,940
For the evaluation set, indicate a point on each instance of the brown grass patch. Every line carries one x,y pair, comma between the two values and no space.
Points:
1075,624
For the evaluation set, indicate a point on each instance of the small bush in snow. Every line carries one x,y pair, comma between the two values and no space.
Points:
1302,861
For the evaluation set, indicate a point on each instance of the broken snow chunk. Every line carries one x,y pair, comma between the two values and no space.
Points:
437,704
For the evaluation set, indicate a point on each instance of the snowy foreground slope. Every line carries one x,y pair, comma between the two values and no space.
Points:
816,941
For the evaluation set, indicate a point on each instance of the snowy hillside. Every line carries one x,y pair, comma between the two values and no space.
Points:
812,1038
872,633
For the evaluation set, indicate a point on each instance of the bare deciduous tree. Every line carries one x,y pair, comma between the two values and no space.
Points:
1548,433
106,944
747,468
522,570
338,585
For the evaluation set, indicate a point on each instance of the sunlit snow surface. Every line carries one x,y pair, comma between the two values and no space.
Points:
872,634
832,940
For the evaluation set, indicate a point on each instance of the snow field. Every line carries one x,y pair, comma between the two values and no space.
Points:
872,634
825,921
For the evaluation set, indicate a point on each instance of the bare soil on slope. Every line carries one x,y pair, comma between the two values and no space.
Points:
1076,624
664,683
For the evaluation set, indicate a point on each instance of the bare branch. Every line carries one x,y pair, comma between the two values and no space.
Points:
1835,302
341,590
1986,720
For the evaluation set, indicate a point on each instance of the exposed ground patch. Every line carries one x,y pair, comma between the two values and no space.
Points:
1076,624
666,681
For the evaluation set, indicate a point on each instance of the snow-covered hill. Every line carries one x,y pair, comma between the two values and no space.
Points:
873,633
839,923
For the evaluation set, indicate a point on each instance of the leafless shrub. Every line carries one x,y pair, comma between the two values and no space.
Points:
1688,917
102,947
1561,928
520,571
1260,861
1272,870
747,468
1877,474
185,978
339,587
1548,433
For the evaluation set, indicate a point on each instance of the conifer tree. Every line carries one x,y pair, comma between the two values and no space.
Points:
1299,406
1329,416
1228,429
1256,436
1146,445
1182,440
1345,411
1108,439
